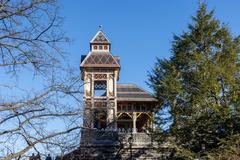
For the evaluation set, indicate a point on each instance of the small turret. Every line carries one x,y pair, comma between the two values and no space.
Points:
100,43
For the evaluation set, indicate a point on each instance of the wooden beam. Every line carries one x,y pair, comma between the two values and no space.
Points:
139,114
119,114
150,116
128,114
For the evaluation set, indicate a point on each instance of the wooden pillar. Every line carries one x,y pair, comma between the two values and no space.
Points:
115,118
92,118
92,100
134,122
153,119
115,98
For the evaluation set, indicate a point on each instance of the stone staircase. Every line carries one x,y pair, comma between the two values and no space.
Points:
141,154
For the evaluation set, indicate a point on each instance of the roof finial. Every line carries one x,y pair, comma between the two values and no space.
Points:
100,27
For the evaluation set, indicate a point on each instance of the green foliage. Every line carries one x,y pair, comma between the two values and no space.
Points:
199,86
228,149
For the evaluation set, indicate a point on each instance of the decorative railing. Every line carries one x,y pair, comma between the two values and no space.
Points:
122,130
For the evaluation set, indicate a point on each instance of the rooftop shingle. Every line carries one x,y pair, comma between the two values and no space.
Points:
98,59
131,92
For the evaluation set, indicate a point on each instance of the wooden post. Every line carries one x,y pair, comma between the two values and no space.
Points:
92,100
134,122
153,119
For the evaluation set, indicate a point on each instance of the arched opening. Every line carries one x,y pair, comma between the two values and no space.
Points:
100,119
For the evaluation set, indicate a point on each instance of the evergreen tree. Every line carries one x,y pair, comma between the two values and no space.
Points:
199,87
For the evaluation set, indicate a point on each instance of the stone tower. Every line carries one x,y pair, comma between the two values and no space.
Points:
117,117
100,73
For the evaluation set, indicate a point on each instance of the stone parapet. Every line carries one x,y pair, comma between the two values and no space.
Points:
112,145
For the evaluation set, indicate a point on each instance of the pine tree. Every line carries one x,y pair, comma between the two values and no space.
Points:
199,86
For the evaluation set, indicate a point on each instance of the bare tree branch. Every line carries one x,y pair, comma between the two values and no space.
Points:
31,144
31,120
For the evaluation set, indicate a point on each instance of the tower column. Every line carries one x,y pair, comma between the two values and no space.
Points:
92,101
92,118
115,118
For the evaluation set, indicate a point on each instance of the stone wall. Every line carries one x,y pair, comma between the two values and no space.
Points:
111,145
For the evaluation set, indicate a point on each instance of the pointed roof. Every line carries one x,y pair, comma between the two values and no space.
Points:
100,38
97,59
100,58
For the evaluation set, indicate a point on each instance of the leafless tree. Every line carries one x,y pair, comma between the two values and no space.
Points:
46,119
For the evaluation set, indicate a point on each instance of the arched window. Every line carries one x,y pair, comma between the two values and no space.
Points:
100,88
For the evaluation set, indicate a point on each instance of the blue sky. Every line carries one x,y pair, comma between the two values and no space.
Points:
140,30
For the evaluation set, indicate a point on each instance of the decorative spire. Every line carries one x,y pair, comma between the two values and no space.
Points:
100,27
